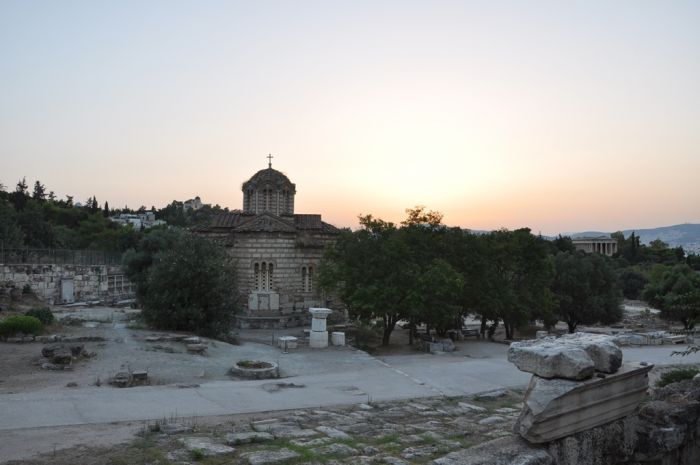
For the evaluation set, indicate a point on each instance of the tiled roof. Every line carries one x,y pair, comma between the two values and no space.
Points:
267,222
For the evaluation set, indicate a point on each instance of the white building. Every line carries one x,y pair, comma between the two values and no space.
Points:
138,220
192,204
601,244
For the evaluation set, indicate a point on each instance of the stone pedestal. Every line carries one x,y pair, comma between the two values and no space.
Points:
287,342
338,338
318,339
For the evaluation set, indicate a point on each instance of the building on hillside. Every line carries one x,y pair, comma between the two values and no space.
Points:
192,204
143,220
277,252
601,244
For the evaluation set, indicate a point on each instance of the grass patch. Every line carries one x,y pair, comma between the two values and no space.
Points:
142,451
388,439
675,376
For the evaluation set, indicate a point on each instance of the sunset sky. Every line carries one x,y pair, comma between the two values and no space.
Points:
559,116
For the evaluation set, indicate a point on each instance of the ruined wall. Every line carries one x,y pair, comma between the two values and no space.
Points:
661,433
90,282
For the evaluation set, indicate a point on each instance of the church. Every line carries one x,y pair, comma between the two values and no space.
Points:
276,251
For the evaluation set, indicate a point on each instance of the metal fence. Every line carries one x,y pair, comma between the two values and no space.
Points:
31,256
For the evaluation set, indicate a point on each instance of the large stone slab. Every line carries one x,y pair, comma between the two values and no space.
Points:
206,447
555,408
504,451
573,356
269,456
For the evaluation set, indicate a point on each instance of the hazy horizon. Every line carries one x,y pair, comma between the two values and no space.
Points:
557,117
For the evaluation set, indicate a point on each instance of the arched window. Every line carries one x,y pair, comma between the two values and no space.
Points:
257,280
263,276
307,276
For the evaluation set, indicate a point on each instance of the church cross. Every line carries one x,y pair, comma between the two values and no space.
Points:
269,160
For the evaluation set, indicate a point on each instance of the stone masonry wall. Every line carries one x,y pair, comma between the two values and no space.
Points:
93,282
288,253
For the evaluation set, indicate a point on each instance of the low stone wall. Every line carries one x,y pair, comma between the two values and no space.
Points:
89,282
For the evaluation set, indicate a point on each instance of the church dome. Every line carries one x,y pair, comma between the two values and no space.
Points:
269,191
269,176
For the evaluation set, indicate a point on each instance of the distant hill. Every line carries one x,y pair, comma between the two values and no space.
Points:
686,235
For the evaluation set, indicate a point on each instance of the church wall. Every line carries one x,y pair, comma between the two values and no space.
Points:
288,258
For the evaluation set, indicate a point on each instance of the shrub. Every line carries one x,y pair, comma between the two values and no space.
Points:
27,289
20,324
183,282
42,314
675,376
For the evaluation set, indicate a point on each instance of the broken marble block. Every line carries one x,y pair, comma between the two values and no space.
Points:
549,359
556,408
573,356
606,355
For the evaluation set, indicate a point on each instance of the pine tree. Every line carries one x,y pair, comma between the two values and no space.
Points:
105,212
52,196
19,197
21,186
39,191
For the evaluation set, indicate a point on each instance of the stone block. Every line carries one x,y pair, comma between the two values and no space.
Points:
287,342
269,456
247,437
606,355
548,359
504,451
555,408
274,301
338,338
573,356
318,339
206,447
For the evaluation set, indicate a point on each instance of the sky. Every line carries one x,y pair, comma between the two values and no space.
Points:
558,116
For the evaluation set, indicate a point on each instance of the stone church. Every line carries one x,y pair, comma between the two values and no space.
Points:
276,251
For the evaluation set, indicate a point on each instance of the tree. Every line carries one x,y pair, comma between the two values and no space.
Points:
183,282
586,290
368,269
21,187
105,211
39,192
436,296
10,233
632,283
19,197
676,292
418,215
563,244
519,276
36,229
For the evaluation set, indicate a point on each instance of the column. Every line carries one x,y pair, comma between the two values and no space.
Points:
318,338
